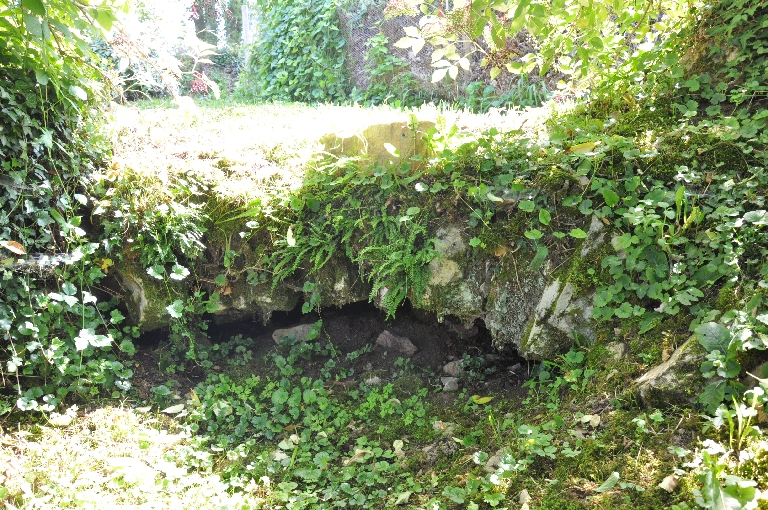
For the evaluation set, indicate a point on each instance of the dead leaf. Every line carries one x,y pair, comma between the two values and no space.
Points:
60,420
359,456
669,483
583,148
173,409
666,353
403,498
289,237
13,247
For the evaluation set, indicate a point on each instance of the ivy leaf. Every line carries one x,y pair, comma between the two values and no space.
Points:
544,217
116,317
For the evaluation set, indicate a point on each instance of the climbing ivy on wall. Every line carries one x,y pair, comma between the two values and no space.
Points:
298,54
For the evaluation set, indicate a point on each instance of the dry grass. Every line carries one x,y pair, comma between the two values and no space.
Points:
249,151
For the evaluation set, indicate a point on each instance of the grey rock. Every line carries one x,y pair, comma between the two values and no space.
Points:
559,314
454,368
446,428
492,464
430,454
677,381
450,383
398,343
449,448
524,497
299,333
616,350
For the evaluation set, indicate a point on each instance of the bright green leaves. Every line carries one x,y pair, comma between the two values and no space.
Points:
577,233
36,7
300,54
176,309
88,337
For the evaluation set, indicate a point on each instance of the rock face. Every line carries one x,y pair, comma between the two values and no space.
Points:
534,311
537,311
677,381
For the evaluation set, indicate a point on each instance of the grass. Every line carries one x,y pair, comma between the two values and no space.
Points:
111,457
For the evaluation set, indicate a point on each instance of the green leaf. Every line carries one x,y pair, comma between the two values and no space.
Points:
541,255
610,197
33,24
105,18
713,337
156,271
35,7
455,494
759,217
173,409
544,217
610,483
713,395
403,498
533,234
116,317
527,205
412,211
475,242
578,233
78,92
176,309
179,272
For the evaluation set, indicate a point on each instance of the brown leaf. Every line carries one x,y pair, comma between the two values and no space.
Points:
13,247
669,483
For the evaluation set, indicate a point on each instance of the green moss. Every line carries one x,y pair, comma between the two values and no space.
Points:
586,273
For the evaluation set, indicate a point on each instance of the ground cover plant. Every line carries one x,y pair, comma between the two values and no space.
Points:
672,161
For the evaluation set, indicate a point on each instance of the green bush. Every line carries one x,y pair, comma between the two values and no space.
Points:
57,338
298,54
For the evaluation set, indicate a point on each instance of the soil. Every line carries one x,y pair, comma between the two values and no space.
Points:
354,329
